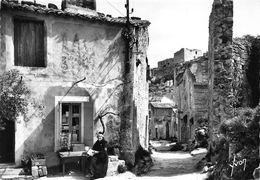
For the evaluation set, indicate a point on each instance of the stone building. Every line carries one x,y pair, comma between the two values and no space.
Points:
163,120
78,64
192,96
183,79
185,54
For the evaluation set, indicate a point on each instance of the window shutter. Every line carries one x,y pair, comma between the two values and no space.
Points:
29,43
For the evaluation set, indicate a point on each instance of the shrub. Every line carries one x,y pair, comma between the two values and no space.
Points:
13,96
241,135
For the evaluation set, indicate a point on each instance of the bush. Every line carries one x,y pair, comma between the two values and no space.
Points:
241,134
13,92
201,137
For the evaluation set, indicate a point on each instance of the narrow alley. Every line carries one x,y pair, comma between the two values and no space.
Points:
167,165
170,165
175,165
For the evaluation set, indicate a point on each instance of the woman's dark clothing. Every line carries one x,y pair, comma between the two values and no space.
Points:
99,161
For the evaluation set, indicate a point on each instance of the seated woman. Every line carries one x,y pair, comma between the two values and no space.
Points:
99,161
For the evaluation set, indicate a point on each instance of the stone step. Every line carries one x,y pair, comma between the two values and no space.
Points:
13,174
113,163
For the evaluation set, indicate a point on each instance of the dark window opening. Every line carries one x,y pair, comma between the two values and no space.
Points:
29,43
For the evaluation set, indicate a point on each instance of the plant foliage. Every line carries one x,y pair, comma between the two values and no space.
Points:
240,139
13,96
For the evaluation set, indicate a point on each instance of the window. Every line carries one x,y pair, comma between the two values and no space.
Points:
70,124
28,43
73,121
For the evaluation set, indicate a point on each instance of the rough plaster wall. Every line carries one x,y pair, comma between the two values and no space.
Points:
134,127
200,102
70,44
185,91
221,63
141,94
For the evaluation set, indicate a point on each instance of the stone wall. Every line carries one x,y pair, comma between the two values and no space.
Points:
221,65
166,63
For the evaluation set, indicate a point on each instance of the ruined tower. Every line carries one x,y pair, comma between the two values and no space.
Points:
220,64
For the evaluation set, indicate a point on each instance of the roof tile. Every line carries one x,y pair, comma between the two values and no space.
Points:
5,5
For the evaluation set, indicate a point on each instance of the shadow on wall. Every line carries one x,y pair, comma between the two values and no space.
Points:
41,139
97,50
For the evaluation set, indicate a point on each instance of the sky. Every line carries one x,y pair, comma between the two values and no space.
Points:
177,24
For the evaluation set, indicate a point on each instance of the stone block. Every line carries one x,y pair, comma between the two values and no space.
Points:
113,165
112,158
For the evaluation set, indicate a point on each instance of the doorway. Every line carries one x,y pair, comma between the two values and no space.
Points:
7,139
167,131
191,128
184,136
156,133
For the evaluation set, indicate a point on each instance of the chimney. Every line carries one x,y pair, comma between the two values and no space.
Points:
80,6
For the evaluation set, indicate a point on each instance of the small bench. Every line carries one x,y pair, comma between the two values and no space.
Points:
73,156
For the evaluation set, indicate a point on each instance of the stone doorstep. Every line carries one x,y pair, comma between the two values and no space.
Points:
13,174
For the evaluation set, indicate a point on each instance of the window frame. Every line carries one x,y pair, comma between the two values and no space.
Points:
58,116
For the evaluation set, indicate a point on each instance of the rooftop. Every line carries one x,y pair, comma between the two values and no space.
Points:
9,5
